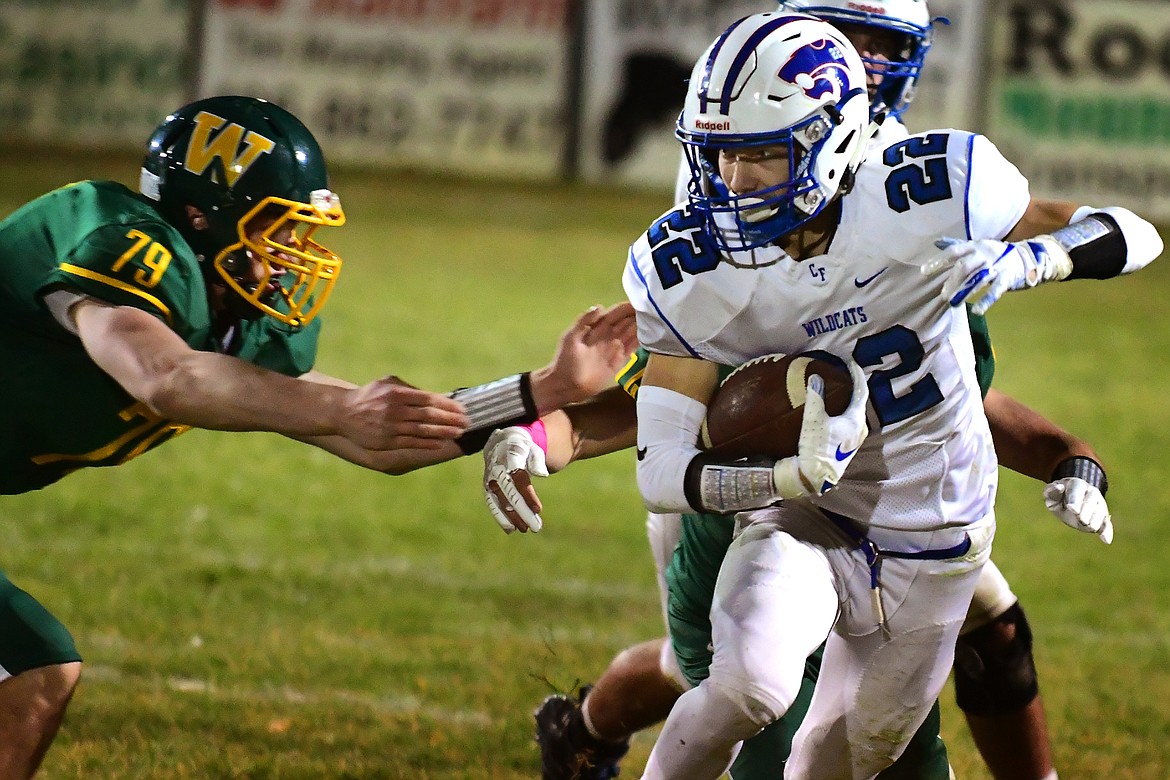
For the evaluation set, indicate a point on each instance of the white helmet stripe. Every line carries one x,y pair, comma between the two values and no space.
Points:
746,51
705,82
729,72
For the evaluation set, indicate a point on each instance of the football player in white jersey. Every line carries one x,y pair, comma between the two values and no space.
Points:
995,674
768,257
1001,700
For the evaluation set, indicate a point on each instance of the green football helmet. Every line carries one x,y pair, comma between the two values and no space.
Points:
258,177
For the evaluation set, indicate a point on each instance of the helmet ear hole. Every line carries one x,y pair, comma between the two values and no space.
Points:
197,218
845,142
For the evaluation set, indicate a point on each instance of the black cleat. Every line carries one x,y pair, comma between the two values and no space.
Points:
567,750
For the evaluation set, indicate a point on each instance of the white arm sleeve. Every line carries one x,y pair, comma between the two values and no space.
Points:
1143,245
668,427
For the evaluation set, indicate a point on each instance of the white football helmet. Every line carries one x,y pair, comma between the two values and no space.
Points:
773,79
908,18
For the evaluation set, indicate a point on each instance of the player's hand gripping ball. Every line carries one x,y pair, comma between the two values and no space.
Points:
757,411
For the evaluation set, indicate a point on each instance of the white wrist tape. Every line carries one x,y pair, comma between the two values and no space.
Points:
497,404
788,480
495,401
726,488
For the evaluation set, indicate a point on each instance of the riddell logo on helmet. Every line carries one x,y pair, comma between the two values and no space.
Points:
712,124
869,9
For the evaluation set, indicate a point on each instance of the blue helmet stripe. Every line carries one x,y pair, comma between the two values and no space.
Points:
745,53
705,84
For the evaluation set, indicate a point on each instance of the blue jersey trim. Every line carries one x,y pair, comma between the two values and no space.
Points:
967,187
661,316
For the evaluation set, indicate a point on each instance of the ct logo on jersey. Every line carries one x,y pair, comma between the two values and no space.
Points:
806,70
235,150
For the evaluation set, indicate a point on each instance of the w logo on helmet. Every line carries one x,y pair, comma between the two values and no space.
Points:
819,69
235,151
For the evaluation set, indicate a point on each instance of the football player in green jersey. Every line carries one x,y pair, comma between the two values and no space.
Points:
131,317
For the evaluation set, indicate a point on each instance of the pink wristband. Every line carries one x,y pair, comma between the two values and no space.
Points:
539,434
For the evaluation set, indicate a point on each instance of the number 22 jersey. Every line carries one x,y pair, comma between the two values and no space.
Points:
928,462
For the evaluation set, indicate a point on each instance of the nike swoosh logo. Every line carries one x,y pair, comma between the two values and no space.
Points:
844,455
863,282
641,453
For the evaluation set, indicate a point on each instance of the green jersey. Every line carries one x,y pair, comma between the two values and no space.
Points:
101,240
984,353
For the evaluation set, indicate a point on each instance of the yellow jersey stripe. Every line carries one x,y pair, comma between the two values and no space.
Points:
95,276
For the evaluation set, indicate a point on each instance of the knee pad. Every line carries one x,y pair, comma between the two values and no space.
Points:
740,707
994,670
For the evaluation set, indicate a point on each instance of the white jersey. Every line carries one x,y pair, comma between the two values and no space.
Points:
928,462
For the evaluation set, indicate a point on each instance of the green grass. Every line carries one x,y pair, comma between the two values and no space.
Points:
251,608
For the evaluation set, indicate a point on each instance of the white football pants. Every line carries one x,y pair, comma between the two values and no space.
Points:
791,580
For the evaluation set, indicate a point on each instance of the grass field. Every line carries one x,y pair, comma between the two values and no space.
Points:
250,608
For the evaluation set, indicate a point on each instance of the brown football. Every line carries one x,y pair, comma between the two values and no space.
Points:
757,410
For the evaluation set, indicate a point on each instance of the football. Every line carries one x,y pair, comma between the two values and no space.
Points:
757,410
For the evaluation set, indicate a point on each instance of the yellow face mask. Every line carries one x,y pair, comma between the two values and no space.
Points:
286,264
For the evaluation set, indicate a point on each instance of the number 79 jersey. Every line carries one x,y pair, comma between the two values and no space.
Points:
928,461
99,239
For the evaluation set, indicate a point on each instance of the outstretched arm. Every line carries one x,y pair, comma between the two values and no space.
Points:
1090,244
1028,443
209,390
588,355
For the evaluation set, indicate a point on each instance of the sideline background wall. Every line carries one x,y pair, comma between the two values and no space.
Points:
1076,92
1079,97
465,86
92,73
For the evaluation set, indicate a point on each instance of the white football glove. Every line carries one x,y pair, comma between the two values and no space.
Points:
827,444
979,272
1079,505
510,457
